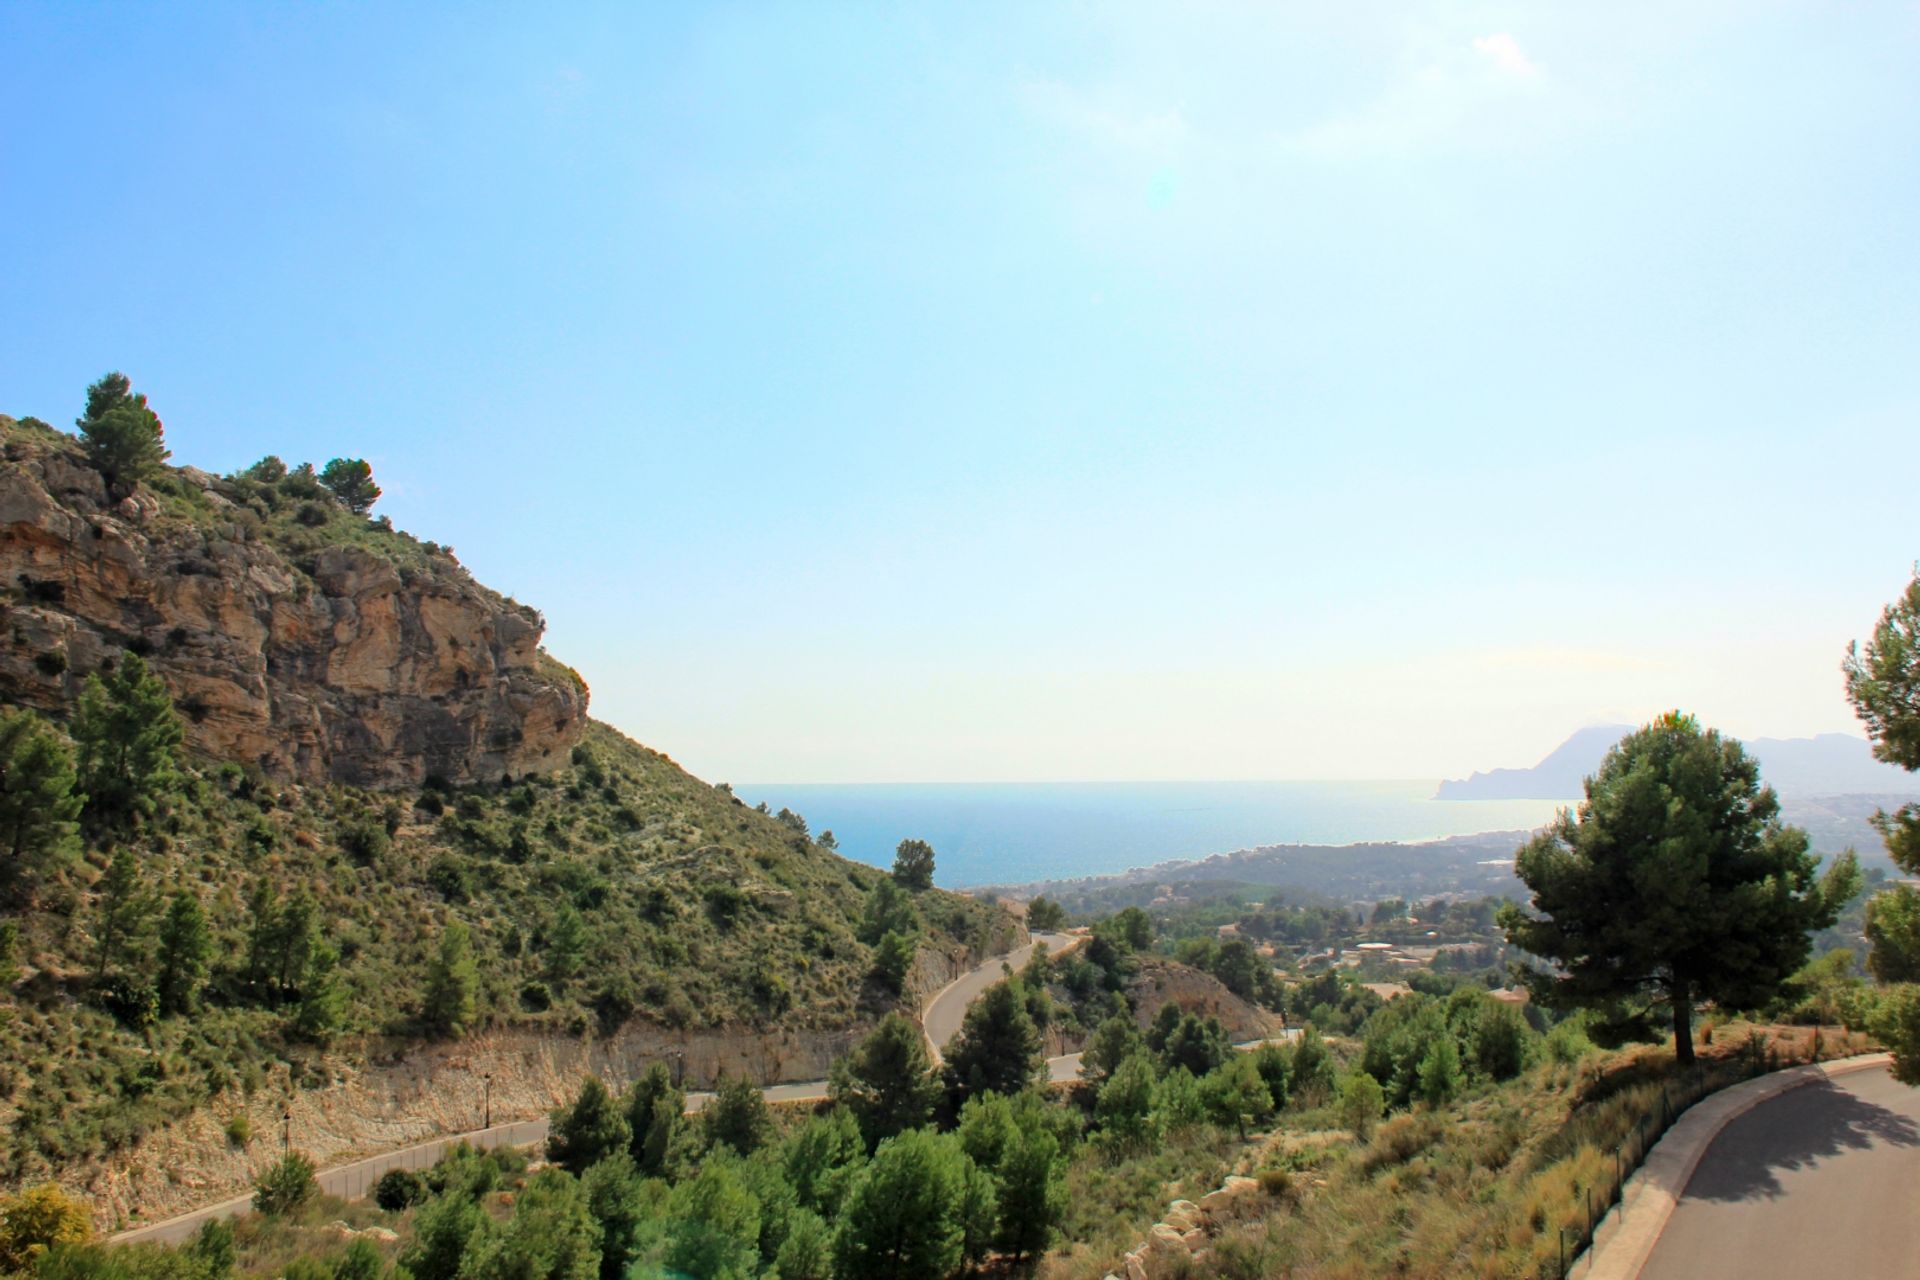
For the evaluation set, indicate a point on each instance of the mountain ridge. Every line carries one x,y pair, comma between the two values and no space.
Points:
1827,764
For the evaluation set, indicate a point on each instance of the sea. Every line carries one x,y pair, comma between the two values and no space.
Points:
1015,833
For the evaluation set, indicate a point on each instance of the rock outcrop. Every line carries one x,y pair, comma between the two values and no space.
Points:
356,656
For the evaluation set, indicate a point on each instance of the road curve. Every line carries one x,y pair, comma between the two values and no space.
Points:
1816,1181
356,1179
948,1007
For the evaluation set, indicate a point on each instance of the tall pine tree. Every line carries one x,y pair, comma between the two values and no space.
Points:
128,734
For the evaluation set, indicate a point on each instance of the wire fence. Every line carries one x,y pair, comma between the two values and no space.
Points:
1593,1201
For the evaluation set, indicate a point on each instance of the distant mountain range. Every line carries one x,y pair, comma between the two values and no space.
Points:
1830,764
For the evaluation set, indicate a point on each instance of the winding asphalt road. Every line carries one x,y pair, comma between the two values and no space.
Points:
1818,1181
941,1018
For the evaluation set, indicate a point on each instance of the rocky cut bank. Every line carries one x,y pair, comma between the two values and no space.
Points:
354,655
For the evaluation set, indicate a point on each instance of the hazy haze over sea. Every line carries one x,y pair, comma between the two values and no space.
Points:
1003,833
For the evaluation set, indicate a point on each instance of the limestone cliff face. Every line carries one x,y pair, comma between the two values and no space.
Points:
318,662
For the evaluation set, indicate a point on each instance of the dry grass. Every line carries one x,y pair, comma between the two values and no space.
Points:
1484,1188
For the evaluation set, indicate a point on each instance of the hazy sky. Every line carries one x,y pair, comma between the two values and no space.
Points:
1037,391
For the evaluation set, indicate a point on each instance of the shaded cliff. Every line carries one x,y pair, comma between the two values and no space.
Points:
293,634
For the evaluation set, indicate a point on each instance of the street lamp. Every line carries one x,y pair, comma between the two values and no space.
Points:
486,1121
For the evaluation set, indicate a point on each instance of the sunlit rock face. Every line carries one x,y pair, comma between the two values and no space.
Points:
322,665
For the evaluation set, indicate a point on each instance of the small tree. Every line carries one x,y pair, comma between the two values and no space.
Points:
1113,1042
399,1189
351,481
888,910
1197,1043
587,1132
123,910
38,805
1044,915
1235,1095
1032,1195
1125,1105
566,944
643,1097
901,1218
821,1158
1360,1103
614,1199
285,1185
807,1252
322,1006
451,998
892,961
998,1047
913,865
1676,883
737,1117
186,947
551,1236
716,1225
442,1229
127,734
1439,1072
887,1082
124,439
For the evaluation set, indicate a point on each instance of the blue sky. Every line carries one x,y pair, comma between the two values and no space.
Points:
1023,391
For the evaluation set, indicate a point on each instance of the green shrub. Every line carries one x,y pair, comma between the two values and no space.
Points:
397,1189
286,1185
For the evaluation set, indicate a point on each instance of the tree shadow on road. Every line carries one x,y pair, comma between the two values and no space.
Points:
1824,1120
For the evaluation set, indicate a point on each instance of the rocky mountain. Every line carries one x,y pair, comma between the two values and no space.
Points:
294,634
381,763
1829,764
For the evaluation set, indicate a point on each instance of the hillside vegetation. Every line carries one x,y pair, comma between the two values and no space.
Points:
188,925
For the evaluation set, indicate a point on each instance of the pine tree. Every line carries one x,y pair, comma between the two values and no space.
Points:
127,734
1032,1195
888,910
186,948
1439,1072
1113,1042
892,961
901,1218
1125,1104
1675,883
120,913
351,481
822,1158
442,1229
450,1000
654,1108
612,1189
588,1131
1234,1094
551,1236
998,1047
887,1082
322,1003
737,1117
124,439
913,865
38,805
566,944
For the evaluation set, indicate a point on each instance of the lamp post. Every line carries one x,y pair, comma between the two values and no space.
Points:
486,1110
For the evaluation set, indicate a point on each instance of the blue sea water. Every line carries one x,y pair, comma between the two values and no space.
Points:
1010,833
